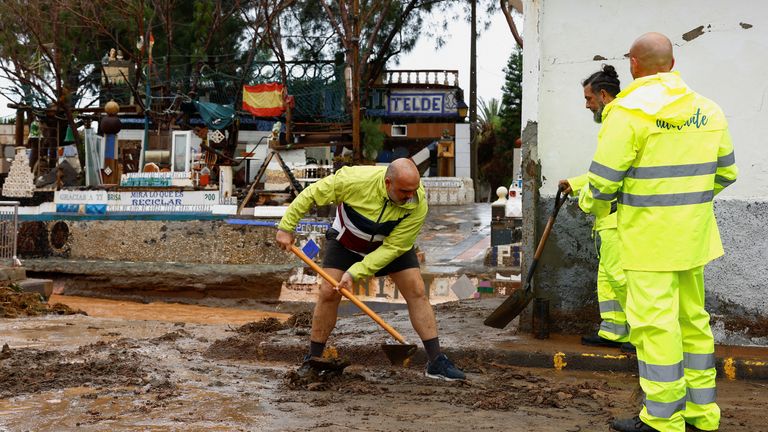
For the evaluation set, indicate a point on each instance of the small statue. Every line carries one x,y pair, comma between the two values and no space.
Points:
112,54
276,131
120,55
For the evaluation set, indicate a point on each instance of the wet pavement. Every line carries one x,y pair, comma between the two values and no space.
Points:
456,236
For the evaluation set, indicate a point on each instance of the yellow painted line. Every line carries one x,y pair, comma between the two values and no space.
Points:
754,363
607,356
729,368
559,361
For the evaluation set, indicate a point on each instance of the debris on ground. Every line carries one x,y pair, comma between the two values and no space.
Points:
29,370
267,325
77,372
302,319
15,303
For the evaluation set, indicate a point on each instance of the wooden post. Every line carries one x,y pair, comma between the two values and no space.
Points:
19,127
356,148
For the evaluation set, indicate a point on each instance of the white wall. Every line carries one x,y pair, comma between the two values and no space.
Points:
728,63
462,156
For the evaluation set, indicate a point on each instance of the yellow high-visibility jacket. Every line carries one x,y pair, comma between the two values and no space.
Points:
579,185
663,152
367,221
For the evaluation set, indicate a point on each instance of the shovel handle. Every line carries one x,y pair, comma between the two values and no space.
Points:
560,199
346,293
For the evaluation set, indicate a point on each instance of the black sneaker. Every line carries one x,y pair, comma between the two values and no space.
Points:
444,369
628,348
633,424
597,340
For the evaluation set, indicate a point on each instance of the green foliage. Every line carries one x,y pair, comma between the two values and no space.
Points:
511,101
54,51
499,127
373,137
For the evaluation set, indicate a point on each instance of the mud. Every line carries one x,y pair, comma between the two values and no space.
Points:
15,303
31,370
94,374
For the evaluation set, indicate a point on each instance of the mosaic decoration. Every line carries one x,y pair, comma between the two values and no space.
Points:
20,181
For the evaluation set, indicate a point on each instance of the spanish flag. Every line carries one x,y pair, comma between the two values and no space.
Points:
264,100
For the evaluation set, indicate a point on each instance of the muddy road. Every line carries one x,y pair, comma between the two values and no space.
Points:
78,372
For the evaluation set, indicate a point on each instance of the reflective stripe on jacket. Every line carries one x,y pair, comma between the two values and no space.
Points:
369,217
578,186
663,152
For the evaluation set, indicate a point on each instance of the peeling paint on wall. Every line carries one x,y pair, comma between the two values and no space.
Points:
693,34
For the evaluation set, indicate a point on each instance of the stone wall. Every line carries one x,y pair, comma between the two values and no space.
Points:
194,241
448,190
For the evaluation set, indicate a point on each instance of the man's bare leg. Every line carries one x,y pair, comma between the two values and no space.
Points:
411,285
326,308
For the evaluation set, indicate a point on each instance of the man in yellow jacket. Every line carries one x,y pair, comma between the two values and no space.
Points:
663,153
380,211
600,89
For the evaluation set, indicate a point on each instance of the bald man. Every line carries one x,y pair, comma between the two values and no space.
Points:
380,211
663,153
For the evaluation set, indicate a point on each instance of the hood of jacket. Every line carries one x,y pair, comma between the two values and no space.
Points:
664,96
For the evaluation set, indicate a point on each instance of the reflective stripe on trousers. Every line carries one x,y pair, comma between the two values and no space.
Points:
611,288
675,348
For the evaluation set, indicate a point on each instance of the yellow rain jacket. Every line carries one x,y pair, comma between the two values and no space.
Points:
367,221
578,185
663,152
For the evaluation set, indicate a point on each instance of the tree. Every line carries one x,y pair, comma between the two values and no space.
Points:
371,33
511,101
51,50
499,127
507,11
487,136
48,56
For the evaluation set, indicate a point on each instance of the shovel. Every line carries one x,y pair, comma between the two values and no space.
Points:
398,355
518,300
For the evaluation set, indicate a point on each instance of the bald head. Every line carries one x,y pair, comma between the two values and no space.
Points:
402,180
650,54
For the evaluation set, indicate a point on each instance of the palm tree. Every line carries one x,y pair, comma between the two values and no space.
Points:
490,117
491,157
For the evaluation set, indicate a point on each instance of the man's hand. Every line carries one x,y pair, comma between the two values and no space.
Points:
564,186
285,239
346,282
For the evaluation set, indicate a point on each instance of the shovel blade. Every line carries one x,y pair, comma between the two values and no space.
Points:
400,354
513,306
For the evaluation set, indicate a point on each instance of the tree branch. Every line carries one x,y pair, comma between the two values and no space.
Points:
512,27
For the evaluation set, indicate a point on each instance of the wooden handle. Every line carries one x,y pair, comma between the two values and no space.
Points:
345,292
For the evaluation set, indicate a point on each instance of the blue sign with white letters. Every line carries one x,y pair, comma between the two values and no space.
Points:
417,104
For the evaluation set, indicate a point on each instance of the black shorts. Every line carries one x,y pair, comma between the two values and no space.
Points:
337,256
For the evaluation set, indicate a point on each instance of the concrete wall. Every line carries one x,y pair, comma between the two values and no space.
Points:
720,50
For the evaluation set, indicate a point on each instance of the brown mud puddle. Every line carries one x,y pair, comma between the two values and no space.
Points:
171,312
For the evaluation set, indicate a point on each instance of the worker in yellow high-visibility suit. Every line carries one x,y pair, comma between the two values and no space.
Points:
663,153
600,89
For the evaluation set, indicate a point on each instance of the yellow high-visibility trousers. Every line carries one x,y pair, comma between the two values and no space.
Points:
675,348
611,288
